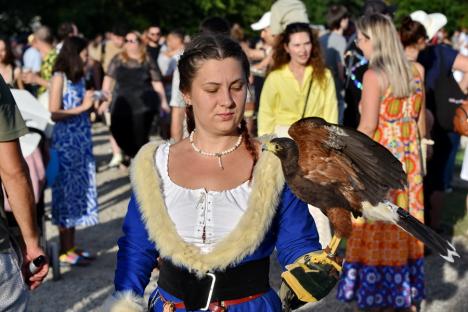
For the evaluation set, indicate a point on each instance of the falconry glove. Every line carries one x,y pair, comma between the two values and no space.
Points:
305,281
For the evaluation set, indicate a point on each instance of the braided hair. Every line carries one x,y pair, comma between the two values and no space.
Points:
208,47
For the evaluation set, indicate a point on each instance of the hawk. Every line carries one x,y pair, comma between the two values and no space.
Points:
342,171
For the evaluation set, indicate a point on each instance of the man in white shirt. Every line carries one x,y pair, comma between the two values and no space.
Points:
32,61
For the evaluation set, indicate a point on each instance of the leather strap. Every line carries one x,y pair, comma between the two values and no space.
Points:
307,97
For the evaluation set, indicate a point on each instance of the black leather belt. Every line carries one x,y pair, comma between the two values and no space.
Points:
241,281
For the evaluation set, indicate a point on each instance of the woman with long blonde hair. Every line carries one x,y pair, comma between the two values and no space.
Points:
133,86
384,265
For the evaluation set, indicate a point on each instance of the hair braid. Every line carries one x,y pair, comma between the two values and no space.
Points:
190,118
251,148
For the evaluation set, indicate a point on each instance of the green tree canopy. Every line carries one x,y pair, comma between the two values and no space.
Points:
97,16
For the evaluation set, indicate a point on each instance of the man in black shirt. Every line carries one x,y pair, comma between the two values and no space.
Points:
153,47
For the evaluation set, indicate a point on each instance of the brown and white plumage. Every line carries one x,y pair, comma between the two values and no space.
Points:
343,171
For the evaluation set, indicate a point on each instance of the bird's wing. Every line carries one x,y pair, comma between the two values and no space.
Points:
333,153
326,167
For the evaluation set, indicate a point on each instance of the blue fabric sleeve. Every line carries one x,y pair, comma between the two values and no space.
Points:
296,230
137,255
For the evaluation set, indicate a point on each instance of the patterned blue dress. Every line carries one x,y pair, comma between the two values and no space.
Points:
74,196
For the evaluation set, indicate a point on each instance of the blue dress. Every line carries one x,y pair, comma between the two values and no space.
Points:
74,196
275,218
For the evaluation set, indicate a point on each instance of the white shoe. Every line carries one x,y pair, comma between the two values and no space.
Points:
115,161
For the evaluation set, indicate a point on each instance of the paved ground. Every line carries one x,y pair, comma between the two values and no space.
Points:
84,289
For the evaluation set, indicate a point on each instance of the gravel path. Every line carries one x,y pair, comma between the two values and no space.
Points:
84,289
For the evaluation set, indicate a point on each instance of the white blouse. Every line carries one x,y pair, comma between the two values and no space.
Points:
201,217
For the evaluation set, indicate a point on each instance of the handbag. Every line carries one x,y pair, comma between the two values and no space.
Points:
460,120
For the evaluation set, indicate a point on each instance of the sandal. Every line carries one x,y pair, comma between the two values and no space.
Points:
83,253
71,258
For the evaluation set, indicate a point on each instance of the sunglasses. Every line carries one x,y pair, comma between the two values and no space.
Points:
154,34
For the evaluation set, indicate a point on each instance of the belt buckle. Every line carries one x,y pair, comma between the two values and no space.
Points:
210,293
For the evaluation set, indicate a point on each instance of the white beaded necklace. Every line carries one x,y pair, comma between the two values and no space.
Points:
218,154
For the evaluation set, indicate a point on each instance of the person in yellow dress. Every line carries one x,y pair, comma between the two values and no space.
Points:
299,84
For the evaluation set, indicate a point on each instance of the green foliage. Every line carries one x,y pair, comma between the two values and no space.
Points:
97,16
455,10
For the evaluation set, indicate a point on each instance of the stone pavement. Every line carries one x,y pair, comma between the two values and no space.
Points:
85,288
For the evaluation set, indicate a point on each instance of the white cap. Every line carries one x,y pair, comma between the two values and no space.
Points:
432,22
263,22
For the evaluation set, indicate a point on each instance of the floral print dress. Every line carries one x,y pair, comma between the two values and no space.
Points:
74,196
384,264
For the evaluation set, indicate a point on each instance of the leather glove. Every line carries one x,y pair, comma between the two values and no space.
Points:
308,280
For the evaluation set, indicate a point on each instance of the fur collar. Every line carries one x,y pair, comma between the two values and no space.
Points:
268,182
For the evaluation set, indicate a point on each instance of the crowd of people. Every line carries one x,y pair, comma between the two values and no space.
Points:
217,203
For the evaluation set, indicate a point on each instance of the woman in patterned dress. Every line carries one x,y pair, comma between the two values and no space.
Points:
384,265
74,196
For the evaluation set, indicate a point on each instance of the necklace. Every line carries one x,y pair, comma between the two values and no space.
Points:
218,154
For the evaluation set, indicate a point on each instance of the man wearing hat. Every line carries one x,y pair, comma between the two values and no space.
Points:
262,54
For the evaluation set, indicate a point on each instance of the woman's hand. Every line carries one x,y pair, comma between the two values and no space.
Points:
104,107
28,77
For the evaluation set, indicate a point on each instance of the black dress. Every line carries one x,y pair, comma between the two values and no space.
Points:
134,103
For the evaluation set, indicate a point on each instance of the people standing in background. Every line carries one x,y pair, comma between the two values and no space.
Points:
10,73
31,63
356,66
135,93
66,29
334,45
153,46
167,59
15,178
74,195
384,268
299,84
43,41
439,62
113,46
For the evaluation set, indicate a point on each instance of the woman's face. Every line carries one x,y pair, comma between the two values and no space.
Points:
364,44
132,44
84,55
299,48
218,92
2,51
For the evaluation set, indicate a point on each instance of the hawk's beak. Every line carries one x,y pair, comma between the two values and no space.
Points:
269,146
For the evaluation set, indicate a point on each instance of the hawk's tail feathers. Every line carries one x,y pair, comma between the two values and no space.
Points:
424,233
